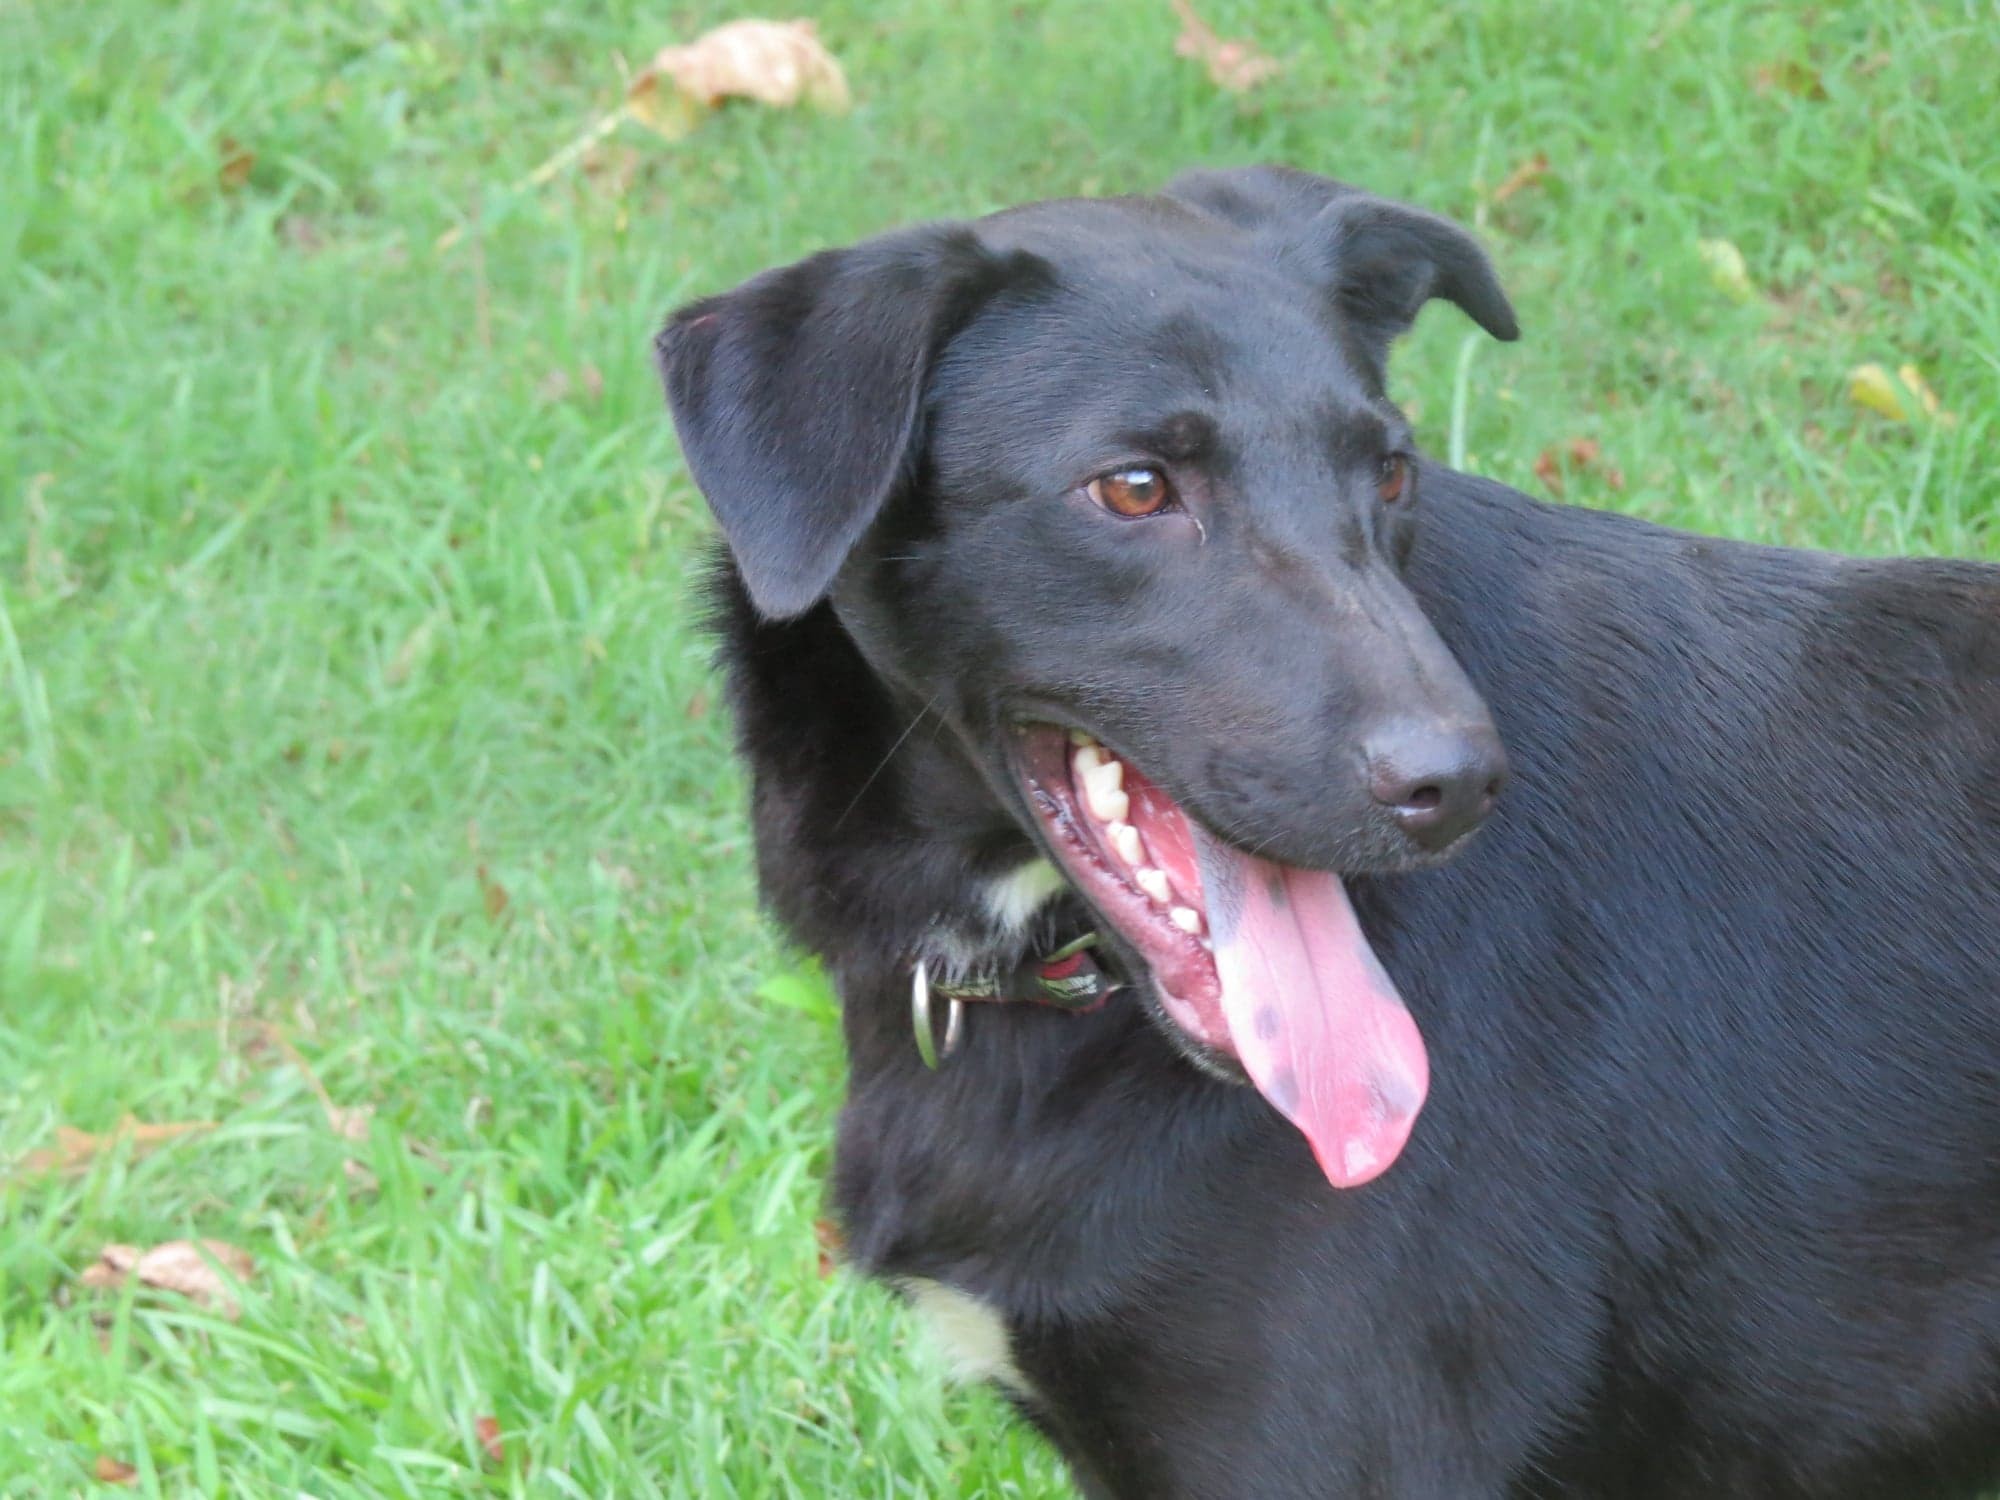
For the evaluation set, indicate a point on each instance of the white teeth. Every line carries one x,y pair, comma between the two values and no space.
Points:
1108,804
1087,759
1186,918
1106,773
1104,789
1125,843
1081,738
1154,883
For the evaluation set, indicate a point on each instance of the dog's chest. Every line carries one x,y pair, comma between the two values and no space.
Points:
971,1333
1013,899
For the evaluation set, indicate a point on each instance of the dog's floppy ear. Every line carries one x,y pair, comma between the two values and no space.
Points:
1384,260
797,396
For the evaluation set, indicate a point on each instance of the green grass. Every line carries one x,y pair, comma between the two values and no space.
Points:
336,570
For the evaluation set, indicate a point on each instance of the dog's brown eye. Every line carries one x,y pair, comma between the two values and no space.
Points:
1393,478
1132,492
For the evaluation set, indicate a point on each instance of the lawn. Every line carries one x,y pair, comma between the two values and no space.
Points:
364,788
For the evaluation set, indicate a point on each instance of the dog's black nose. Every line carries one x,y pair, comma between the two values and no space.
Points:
1438,782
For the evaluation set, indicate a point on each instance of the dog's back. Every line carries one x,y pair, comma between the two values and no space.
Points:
1728,957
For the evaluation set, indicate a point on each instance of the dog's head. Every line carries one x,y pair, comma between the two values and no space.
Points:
1114,487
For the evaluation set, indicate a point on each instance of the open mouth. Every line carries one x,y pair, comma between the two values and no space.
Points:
1253,961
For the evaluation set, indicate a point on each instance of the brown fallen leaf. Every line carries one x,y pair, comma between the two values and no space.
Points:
75,1150
1790,76
779,63
1233,65
1901,398
698,705
1727,269
487,1430
830,1245
1870,386
236,160
1578,456
180,1266
493,895
109,1470
1585,454
1531,171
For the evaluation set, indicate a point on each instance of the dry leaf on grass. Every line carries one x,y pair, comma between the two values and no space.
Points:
109,1470
1790,76
1902,397
1531,171
779,63
75,1150
1726,268
487,1430
1235,66
180,1266
492,895
1578,456
830,1245
234,164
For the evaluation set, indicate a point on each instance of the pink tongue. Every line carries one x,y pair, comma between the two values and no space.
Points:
1312,1016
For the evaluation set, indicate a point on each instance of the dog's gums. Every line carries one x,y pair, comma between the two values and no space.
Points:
1258,966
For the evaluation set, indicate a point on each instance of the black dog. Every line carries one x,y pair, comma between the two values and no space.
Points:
1083,581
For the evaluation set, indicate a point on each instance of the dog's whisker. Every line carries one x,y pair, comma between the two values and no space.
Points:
883,764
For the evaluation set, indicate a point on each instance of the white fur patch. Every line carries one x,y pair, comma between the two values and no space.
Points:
1013,899
971,1334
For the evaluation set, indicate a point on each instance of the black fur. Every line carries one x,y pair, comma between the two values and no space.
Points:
1706,1199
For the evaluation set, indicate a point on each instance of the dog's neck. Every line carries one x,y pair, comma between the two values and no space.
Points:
875,835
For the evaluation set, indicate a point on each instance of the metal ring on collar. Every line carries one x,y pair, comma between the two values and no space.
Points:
920,1019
